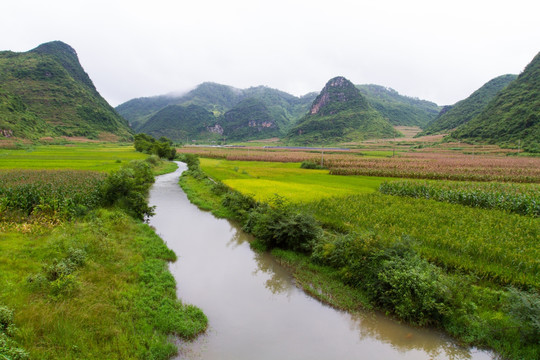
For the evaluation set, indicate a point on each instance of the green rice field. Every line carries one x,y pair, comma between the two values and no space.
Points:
264,180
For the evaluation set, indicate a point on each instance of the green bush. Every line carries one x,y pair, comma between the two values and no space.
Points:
147,144
128,188
282,227
310,165
395,277
8,347
524,307
191,160
239,204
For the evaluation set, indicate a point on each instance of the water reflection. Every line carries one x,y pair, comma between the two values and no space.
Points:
368,324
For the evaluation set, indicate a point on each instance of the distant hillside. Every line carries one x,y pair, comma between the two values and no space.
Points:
251,119
399,109
340,113
464,110
284,109
138,111
181,123
46,92
513,116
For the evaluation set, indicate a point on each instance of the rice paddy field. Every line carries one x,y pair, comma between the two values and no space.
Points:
264,180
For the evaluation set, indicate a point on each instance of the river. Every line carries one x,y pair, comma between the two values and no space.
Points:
254,309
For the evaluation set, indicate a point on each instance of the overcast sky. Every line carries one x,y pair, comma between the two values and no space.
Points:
435,50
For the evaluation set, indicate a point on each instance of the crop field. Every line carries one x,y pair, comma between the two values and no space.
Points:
490,243
56,192
426,164
95,157
264,180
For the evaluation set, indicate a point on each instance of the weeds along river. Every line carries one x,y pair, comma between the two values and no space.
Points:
254,309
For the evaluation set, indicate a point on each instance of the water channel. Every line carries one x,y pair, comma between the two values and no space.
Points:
254,309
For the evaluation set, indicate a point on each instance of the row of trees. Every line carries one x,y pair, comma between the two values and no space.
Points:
162,147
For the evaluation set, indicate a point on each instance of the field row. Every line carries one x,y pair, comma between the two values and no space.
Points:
522,199
424,165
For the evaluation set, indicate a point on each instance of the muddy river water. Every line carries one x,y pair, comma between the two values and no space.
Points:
254,309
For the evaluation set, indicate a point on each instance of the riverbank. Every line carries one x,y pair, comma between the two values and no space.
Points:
85,282
475,311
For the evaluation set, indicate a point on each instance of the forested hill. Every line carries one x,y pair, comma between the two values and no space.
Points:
399,109
46,92
513,116
340,113
219,99
463,111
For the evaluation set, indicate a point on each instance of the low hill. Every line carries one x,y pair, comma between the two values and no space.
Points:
463,111
181,123
138,111
340,113
513,116
283,108
46,92
252,119
399,109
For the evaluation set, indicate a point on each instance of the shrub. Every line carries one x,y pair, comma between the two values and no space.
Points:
191,160
524,307
147,144
8,347
239,204
128,188
282,227
310,165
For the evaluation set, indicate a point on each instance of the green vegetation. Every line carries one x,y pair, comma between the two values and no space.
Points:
57,193
424,262
252,119
180,123
520,199
231,109
78,280
512,117
162,148
399,109
264,180
95,157
45,92
94,288
464,110
340,113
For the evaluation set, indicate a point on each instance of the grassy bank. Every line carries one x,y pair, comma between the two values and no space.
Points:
98,287
470,271
81,276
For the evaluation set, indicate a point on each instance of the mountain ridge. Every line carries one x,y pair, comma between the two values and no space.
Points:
46,92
